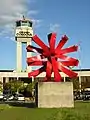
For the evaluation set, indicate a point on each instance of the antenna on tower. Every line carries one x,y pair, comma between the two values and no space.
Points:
23,17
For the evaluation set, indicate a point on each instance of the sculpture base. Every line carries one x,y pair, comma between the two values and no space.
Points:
55,94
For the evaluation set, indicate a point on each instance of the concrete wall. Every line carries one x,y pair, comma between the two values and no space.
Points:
55,94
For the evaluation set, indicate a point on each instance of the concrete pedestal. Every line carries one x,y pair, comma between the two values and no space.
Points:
55,94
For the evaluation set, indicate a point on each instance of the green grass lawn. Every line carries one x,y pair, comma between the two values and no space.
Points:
81,111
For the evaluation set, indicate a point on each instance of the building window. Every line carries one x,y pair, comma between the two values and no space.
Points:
4,79
18,23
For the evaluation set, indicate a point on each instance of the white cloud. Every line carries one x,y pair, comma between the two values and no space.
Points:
12,10
54,27
32,12
36,23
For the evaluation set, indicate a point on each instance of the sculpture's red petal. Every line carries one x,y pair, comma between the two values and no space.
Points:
68,50
37,63
57,76
61,43
34,49
36,72
67,71
52,40
48,71
64,57
41,44
34,58
70,63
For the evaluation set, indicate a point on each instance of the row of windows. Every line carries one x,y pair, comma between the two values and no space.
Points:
84,79
23,23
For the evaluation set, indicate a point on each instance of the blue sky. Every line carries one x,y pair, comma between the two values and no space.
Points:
70,17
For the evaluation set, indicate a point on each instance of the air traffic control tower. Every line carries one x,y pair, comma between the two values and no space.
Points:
23,35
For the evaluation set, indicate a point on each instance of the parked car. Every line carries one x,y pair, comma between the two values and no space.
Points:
77,95
83,95
86,95
11,97
8,97
19,97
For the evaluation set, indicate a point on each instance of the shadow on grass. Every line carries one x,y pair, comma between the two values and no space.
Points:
20,104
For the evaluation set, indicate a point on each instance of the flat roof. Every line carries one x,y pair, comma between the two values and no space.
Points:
84,69
6,70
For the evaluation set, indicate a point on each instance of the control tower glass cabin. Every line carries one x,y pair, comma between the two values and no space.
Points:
23,29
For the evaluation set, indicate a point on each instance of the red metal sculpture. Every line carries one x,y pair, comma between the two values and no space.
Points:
52,59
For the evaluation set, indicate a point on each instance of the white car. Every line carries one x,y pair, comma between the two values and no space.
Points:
11,97
20,97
